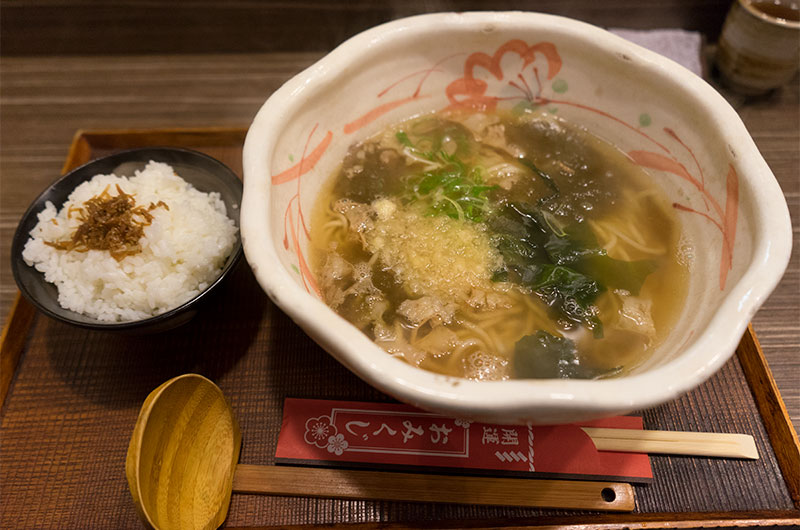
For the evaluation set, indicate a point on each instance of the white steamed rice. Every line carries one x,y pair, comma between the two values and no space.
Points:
183,249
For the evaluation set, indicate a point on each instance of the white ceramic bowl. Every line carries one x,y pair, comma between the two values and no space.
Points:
667,119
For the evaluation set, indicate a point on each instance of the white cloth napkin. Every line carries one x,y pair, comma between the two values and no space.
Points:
683,47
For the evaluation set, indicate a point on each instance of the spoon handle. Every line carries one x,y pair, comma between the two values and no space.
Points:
381,485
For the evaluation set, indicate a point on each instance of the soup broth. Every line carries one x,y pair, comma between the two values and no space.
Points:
500,246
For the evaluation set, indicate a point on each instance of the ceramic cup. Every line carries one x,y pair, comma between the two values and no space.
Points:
759,49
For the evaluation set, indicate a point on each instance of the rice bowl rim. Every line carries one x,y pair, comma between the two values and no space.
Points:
30,218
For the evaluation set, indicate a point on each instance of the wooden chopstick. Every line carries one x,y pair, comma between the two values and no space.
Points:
674,442
416,487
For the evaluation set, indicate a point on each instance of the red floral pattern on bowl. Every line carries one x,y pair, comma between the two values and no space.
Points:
665,118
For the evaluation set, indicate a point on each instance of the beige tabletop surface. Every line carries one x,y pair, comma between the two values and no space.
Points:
52,86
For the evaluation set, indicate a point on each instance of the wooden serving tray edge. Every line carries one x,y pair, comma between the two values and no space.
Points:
782,435
594,522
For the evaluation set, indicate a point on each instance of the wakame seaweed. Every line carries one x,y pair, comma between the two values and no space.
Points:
564,265
542,175
546,356
578,248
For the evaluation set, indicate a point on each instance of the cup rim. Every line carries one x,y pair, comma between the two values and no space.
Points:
769,19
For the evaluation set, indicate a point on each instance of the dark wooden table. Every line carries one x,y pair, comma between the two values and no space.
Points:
72,65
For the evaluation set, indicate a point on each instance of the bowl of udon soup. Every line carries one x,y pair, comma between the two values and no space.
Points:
512,217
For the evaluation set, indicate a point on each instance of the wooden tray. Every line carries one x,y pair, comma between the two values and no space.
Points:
71,397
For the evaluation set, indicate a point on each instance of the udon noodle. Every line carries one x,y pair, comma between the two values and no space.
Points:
497,246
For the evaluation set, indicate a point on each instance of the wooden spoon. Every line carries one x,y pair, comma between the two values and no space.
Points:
182,459
183,454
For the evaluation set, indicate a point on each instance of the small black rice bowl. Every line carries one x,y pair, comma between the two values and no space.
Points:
201,171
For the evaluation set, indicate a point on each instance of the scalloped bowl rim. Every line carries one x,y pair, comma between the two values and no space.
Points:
515,398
